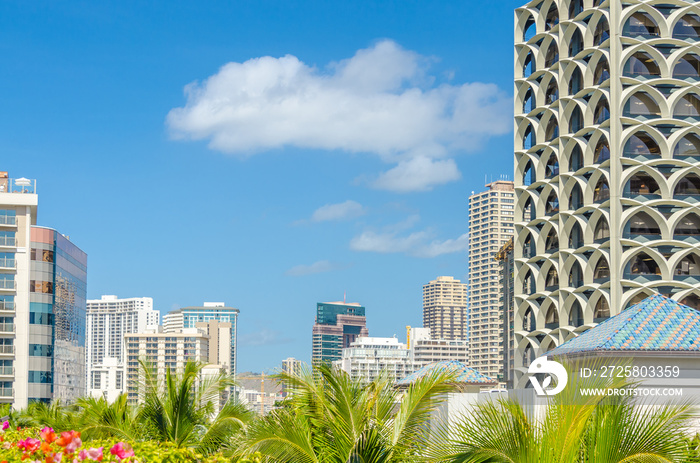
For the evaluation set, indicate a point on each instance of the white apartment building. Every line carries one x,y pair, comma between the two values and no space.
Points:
368,357
445,308
491,216
162,351
108,320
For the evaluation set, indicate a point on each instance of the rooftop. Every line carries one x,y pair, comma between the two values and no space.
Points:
656,324
465,375
16,185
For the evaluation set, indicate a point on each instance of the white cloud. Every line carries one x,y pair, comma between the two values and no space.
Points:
335,212
417,244
321,266
376,102
418,174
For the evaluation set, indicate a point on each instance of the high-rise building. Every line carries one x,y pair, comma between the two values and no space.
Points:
57,295
424,349
291,366
445,308
162,351
369,358
337,325
188,317
42,303
108,320
506,262
607,145
490,226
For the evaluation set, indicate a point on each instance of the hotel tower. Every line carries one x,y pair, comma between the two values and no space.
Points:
607,173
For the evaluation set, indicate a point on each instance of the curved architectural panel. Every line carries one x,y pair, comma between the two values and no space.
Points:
601,274
575,120
529,30
641,144
643,264
552,281
641,64
576,315
552,243
687,68
575,158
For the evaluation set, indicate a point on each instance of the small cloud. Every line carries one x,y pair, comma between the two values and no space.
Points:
264,337
321,266
418,174
336,212
418,244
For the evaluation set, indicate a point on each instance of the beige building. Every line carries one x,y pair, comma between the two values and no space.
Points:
219,342
490,227
445,308
162,351
425,349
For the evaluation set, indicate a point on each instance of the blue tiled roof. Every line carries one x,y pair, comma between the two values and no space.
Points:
465,375
656,324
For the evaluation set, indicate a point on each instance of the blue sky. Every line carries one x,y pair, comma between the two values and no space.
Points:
266,154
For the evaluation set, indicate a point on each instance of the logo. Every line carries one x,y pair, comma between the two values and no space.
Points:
551,368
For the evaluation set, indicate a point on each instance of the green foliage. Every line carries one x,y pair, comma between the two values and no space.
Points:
573,429
331,418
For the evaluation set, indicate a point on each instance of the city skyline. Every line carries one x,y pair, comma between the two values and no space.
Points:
93,109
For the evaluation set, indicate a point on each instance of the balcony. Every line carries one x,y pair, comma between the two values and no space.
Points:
7,392
7,349
7,285
7,370
18,185
7,306
8,241
7,263
8,221
7,328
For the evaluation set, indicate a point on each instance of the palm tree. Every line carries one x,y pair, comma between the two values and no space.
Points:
573,430
181,410
331,418
100,419
54,415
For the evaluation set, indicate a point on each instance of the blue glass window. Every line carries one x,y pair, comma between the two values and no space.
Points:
8,217
40,350
7,238
43,377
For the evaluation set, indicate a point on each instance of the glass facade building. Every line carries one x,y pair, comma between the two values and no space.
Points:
57,314
337,326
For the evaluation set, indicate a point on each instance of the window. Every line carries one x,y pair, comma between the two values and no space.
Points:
552,167
688,146
688,186
642,184
552,56
602,270
688,266
687,67
552,242
641,104
43,377
576,43
641,144
8,217
576,82
602,310
529,30
576,315
552,131
552,93
641,64
688,106
602,72
688,226
602,32
641,24
687,28
7,238
576,120
643,224
552,18
45,287
643,264
602,111
42,255
601,192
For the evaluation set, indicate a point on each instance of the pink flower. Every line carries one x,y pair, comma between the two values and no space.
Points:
122,451
29,444
91,454
5,425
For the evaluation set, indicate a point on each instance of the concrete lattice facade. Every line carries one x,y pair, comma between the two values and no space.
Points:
491,216
445,308
607,144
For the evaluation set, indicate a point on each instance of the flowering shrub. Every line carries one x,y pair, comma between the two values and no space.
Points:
29,445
